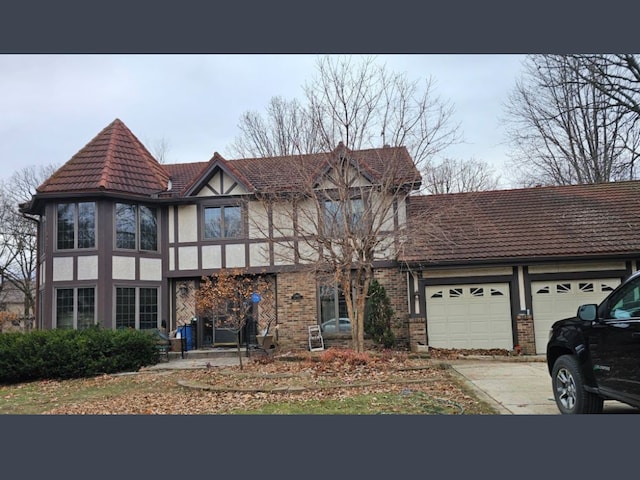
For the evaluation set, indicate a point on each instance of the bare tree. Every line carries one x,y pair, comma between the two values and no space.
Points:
227,298
18,235
357,102
346,211
564,130
454,176
288,129
615,76
160,150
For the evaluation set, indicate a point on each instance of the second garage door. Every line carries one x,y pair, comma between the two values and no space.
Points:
555,300
469,316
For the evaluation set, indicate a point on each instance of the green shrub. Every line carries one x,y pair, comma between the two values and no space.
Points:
378,316
62,354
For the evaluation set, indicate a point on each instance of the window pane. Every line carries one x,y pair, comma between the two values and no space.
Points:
148,308
332,216
86,225
212,222
125,307
65,225
148,229
64,308
356,207
333,310
125,226
86,307
232,222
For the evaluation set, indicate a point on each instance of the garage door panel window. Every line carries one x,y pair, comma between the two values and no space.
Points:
586,287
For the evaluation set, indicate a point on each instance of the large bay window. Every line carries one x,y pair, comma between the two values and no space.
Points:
75,307
136,227
76,225
137,307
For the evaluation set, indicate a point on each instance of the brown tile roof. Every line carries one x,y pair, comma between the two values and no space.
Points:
288,173
535,223
115,161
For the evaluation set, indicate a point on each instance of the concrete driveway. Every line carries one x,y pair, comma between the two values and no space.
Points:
518,387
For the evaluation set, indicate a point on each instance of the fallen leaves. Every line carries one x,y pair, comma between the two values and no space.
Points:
226,390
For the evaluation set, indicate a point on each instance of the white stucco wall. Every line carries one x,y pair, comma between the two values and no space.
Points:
151,269
123,268
259,254
62,269
235,256
88,268
188,258
187,223
211,256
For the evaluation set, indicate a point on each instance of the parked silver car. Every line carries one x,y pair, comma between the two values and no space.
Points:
344,326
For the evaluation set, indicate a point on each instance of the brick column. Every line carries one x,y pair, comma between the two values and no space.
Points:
417,332
526,334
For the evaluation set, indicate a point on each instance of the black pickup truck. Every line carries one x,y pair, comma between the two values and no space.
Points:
595,356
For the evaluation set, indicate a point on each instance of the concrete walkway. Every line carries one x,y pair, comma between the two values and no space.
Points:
517,387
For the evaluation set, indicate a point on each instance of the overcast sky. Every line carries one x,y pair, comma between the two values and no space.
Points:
52,105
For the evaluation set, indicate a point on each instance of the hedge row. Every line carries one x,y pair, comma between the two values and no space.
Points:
63,354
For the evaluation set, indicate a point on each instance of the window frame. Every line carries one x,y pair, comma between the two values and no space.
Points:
137,307
75,307
76,229
224,235
339,306
333,218
138,242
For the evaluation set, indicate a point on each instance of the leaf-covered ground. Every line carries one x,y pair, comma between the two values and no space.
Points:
331,383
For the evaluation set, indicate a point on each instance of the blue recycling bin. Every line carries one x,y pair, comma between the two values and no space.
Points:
185,331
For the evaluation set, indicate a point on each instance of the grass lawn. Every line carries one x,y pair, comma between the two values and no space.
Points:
333,383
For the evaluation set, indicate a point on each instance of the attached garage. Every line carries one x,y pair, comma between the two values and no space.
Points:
469,316
554,300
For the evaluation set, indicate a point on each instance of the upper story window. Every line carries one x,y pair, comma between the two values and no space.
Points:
336,211
76,225
136,227
223,222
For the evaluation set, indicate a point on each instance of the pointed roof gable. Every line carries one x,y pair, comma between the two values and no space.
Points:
217,162
113,161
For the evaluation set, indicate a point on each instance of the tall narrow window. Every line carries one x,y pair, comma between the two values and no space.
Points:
125,226
333,310
76,225
125,308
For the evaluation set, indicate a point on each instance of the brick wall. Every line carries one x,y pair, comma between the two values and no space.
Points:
526,334
294,316
395,283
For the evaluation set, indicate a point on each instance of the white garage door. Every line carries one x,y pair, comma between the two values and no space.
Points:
555,300
469,316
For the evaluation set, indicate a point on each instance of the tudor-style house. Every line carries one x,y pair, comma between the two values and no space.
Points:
124,242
